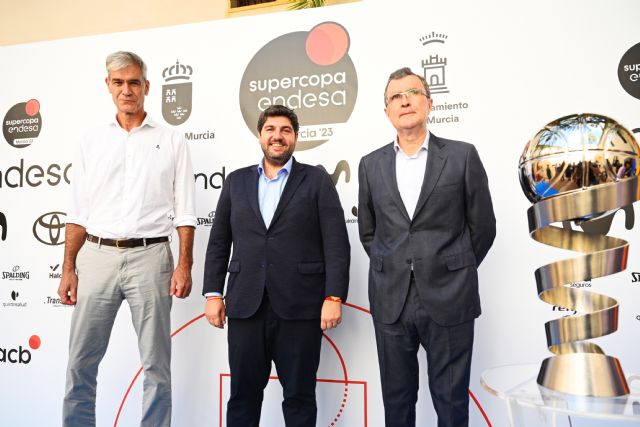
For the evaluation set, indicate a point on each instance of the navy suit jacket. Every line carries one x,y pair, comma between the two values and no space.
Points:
301,257
450,233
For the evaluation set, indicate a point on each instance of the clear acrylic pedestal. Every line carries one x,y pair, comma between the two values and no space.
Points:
531,405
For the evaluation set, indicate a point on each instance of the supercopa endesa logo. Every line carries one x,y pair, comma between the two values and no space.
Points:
22,123
308,71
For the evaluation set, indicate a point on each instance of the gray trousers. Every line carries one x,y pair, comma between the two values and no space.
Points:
107,276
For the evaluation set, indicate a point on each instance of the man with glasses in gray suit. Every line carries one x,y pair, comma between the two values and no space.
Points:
426,221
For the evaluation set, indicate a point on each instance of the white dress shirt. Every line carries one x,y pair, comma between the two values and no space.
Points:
132,184
410,174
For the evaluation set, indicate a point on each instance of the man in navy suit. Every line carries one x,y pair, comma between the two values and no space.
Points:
426,221
288,274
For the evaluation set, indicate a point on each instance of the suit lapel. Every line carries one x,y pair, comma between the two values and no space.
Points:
436,158
298,174
251,184
388,176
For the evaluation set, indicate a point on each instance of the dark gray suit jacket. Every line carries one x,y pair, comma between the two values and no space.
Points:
446,240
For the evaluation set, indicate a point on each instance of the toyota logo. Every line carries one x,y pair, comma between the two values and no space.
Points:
48,228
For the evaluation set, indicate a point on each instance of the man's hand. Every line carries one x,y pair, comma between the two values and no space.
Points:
68,289
74,238
181,278
331,315
181,281
214,310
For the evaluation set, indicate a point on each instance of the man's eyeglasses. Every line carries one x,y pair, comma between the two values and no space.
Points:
409,93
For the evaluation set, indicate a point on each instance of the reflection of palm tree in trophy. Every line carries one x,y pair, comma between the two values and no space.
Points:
583,186
304,4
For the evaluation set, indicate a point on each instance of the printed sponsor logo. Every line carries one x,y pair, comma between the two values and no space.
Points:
20,176
208,221
200,136
20,355
3,227
16,301
434,62
48,227
213,181
564,310
629,71
15,274
343,169
55,272
177,93
54,301
316,77
583,284
22,124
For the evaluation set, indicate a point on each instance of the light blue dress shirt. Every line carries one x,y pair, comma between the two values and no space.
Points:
270,190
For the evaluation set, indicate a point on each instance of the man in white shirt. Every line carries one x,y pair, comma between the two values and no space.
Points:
132,184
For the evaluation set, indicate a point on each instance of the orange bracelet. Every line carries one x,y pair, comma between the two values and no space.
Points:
334,299
213,297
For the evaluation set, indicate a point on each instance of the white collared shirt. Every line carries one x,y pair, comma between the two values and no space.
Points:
410,174
132,184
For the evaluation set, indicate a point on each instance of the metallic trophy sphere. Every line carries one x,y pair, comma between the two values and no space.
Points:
576,152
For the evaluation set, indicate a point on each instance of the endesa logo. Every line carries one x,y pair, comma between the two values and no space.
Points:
21,175
22,124
313,75
20,355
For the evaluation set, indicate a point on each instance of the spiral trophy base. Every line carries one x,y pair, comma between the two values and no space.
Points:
580,367
584,374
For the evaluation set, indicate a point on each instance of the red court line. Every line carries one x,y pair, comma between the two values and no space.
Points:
346,381
126,394
220,400
484,414
357,307
475,400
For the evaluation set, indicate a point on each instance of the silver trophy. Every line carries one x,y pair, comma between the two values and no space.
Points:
580,169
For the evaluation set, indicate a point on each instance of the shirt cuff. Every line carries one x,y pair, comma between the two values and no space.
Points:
76,220
212,294
185,220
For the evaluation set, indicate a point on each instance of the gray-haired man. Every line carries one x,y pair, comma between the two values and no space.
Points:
132,184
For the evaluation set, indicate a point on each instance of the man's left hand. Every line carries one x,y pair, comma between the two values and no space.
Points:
331,315
181,282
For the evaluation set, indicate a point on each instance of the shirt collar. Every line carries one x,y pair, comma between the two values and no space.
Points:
424,145
148,121
285,169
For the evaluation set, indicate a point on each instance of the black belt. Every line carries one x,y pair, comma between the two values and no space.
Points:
126,243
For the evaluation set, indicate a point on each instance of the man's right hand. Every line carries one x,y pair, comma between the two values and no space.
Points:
68,288
214,310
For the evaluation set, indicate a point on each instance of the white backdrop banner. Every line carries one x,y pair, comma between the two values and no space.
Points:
499,70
